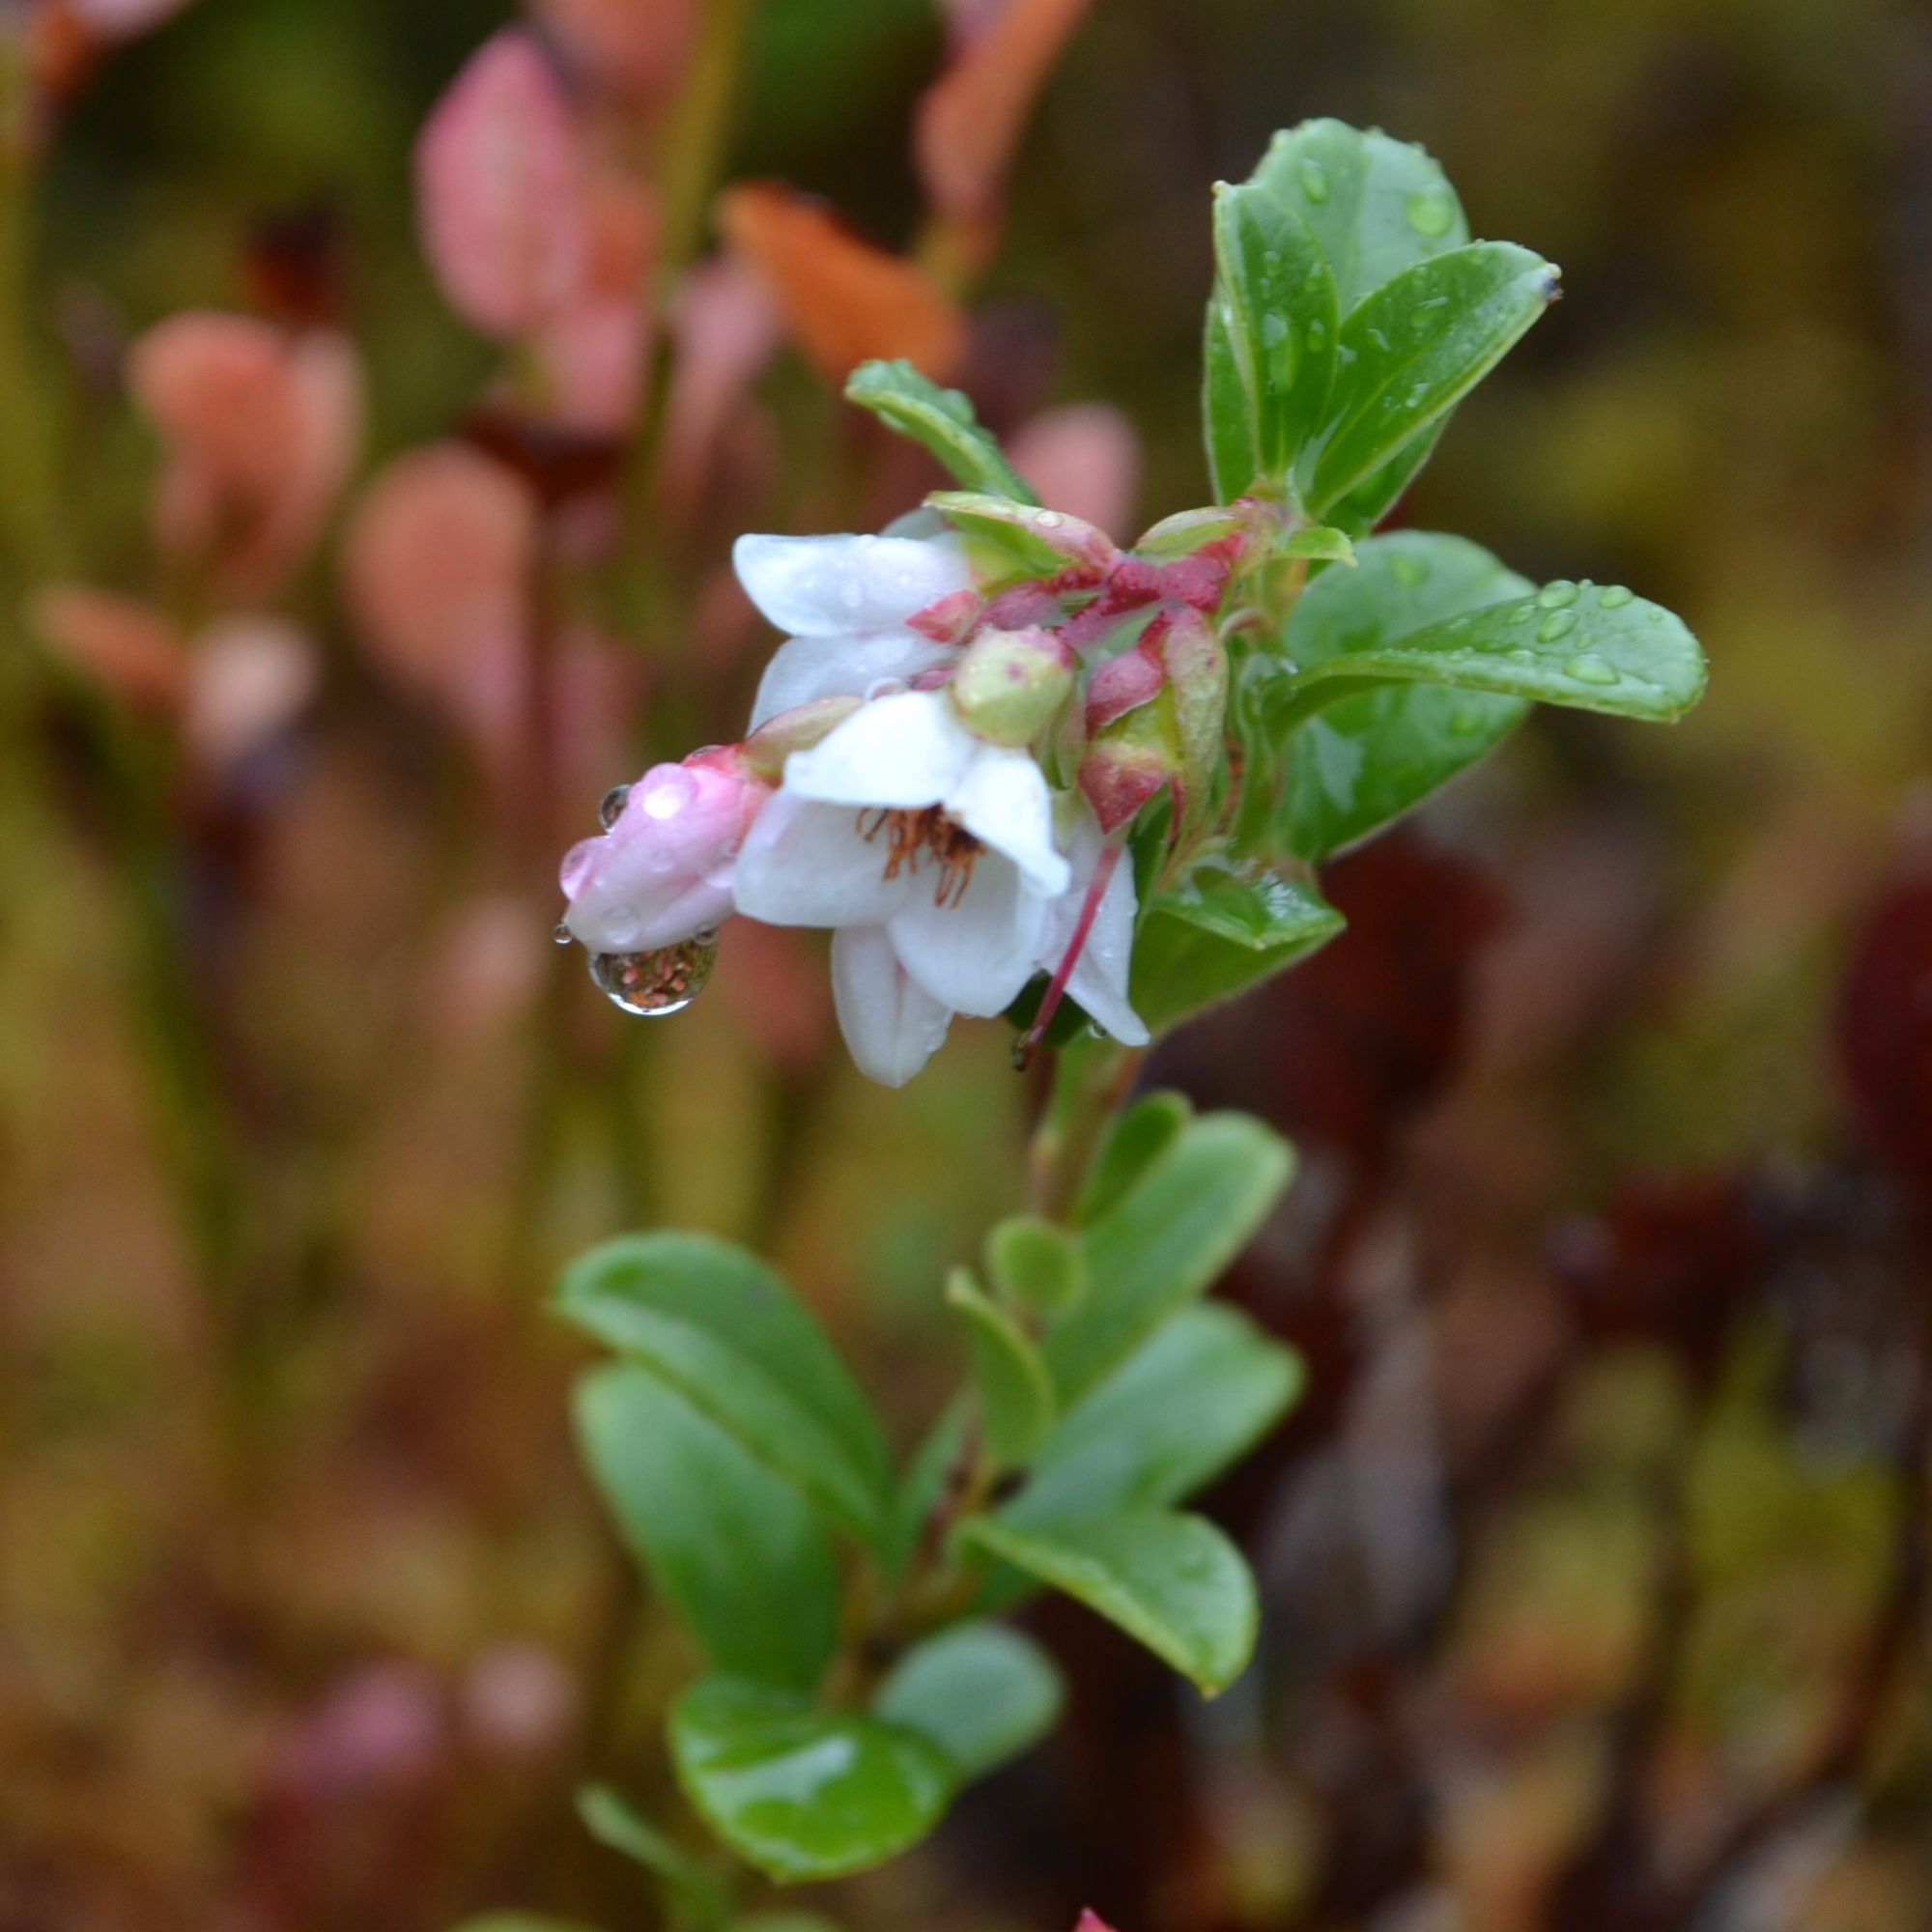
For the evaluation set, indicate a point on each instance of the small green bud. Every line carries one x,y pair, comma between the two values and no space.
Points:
1009,684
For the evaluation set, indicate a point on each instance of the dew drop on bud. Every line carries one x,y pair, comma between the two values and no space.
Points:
611,806
652,984
561,933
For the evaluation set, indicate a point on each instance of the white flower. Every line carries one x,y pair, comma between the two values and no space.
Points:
847,601
1098,980
901,818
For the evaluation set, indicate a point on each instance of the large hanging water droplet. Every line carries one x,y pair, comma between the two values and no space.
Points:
1431,211
1315,182
1556,627
652,984
611,807
560,933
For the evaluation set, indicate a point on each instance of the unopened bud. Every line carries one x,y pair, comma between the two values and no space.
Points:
1009,541
1129,763
765,751
1009,684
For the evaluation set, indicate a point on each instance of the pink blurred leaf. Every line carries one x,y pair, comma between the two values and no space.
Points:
1084,460
843,299
437,565
593,351
128,646
123,19
971,120
262,430
727,330
501,192
636,49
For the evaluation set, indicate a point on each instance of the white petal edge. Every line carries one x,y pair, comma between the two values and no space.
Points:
826,585
804,863
906,751
1003,800
802,669
892,1025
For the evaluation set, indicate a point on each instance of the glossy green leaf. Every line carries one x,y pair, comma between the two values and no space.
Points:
1371,501
1035,1264
1370,758
1136,1140
1003,538
1412,351
1219,932
803,1793
942,420
1188,1403
932,1466
1227,408
1173,1582
981,1692
1318,543
726,1334
1164,1242
1374,205
1015,1397
1591,649
742,1556
611,1819
1278,298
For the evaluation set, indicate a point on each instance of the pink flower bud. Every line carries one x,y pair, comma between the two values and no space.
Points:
501,192
662,874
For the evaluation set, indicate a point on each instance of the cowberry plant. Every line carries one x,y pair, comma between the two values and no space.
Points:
1019,771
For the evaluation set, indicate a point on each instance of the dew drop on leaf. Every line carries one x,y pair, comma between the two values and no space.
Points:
611,807
1614,596
1557,596
1315,182
1590,668
1431,211
1556,627
1409,570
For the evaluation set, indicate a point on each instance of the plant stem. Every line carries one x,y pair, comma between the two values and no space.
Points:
1092,1079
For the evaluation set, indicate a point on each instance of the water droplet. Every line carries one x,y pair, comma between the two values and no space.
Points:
1049,520
1465,721
1615,596
1556,627
1409,570
665,790
560,933
1590,668
1317,334
1431,211
1519,655
1315,182
1558,596
652,984
1275,328
610,805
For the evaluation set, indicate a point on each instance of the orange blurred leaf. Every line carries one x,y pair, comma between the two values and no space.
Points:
843,299
128,646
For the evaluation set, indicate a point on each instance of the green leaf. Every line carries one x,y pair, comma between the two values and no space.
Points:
1370,758
942,420
1412,351
1370,501
1164,1242
1035,1264
1173,1582
740,1554
1219,932
1574,644
924,1484
1001,538
1137,1138
1226,408
1015,1397
981,1692
1278,298
1186,531
610,1818
801,1793
1320,543
726,1332
1193,1400
1374,205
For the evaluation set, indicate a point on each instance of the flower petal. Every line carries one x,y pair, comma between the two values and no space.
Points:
804,863
802,669
975,956
1100,975
1003,800
823,586
906,750
892,1025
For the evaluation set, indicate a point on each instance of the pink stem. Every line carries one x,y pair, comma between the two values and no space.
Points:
1089,909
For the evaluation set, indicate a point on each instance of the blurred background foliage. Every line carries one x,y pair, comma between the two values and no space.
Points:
1595,1557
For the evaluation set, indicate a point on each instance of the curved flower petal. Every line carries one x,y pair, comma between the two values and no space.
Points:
907,750
1003,800
804,863
802,669
1102,974
820,587
892,1025
974,956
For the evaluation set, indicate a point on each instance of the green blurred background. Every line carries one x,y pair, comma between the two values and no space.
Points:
1595,1561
